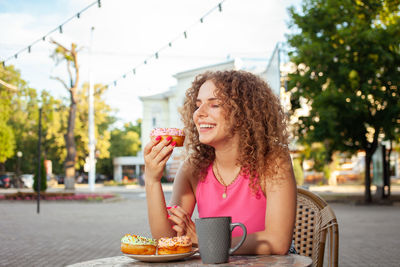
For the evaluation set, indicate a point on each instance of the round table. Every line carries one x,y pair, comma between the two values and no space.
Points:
244,260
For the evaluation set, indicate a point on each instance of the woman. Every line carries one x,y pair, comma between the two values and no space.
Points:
238,164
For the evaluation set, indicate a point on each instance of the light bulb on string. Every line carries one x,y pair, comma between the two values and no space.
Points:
201,20
220,7
134,71
29,49
170,44
185,34
156,55
44,38
99,3
78,15
60,28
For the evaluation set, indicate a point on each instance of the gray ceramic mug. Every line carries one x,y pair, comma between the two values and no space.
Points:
215,235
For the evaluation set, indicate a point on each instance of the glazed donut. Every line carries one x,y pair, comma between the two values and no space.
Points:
174,245
177,134
134,244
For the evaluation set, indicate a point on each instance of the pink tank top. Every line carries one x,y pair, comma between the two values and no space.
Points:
241,204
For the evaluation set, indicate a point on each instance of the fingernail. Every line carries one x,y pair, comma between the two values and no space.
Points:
169,138
173,143
175,207
168,216
158,138
168,208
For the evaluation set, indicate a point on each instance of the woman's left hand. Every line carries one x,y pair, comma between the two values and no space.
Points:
183,223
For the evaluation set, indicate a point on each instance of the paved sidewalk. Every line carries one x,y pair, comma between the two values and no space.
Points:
69,232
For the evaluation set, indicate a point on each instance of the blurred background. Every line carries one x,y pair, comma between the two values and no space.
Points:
82,83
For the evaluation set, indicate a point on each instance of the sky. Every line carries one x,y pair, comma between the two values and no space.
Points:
128,32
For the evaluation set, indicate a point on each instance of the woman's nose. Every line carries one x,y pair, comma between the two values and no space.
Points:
201,110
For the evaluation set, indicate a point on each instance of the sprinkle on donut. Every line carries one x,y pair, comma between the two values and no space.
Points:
167,131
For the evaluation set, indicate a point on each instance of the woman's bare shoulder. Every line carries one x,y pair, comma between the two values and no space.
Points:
186,172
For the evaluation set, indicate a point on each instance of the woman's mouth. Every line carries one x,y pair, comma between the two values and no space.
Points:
206,126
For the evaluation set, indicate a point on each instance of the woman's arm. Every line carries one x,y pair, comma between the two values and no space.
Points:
156,155
280,215
183,202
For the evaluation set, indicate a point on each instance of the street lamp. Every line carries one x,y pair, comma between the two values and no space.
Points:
39,158
92,141
19,156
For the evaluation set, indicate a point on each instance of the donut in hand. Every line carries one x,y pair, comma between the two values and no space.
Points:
177,134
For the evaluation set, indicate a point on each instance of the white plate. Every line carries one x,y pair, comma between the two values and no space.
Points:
161,258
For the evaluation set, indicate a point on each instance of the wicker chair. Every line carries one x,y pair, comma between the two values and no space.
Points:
315,221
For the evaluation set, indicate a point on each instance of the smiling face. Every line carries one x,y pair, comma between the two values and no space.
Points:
209,117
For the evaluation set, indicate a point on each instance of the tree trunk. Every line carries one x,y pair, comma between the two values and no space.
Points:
367,195
69,181
2,167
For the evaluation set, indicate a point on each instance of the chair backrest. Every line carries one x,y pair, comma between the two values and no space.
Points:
315,221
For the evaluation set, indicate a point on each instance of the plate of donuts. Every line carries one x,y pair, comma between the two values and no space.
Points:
162,258
161,250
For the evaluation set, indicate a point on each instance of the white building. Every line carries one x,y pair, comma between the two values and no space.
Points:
162,110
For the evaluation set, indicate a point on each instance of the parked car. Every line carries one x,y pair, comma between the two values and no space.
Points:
5,181
27,179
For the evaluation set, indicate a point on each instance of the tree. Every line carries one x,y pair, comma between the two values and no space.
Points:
103,121
70,56
12,90
124,142
347,55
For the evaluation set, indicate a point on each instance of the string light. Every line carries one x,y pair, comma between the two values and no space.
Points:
58,28
156,54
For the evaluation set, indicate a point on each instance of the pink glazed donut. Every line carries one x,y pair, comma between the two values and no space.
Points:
177,134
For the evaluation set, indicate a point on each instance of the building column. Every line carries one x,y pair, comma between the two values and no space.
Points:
118,172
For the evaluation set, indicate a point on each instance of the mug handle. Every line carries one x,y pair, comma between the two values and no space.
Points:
233,225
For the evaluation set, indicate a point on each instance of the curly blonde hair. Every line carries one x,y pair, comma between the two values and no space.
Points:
253,111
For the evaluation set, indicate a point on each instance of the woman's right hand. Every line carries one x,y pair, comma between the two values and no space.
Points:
156,155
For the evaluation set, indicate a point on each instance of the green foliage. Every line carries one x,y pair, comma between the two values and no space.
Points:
347,57
7,142
19,116
103,121
124,142
317,153
15,116
43,178
298,172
